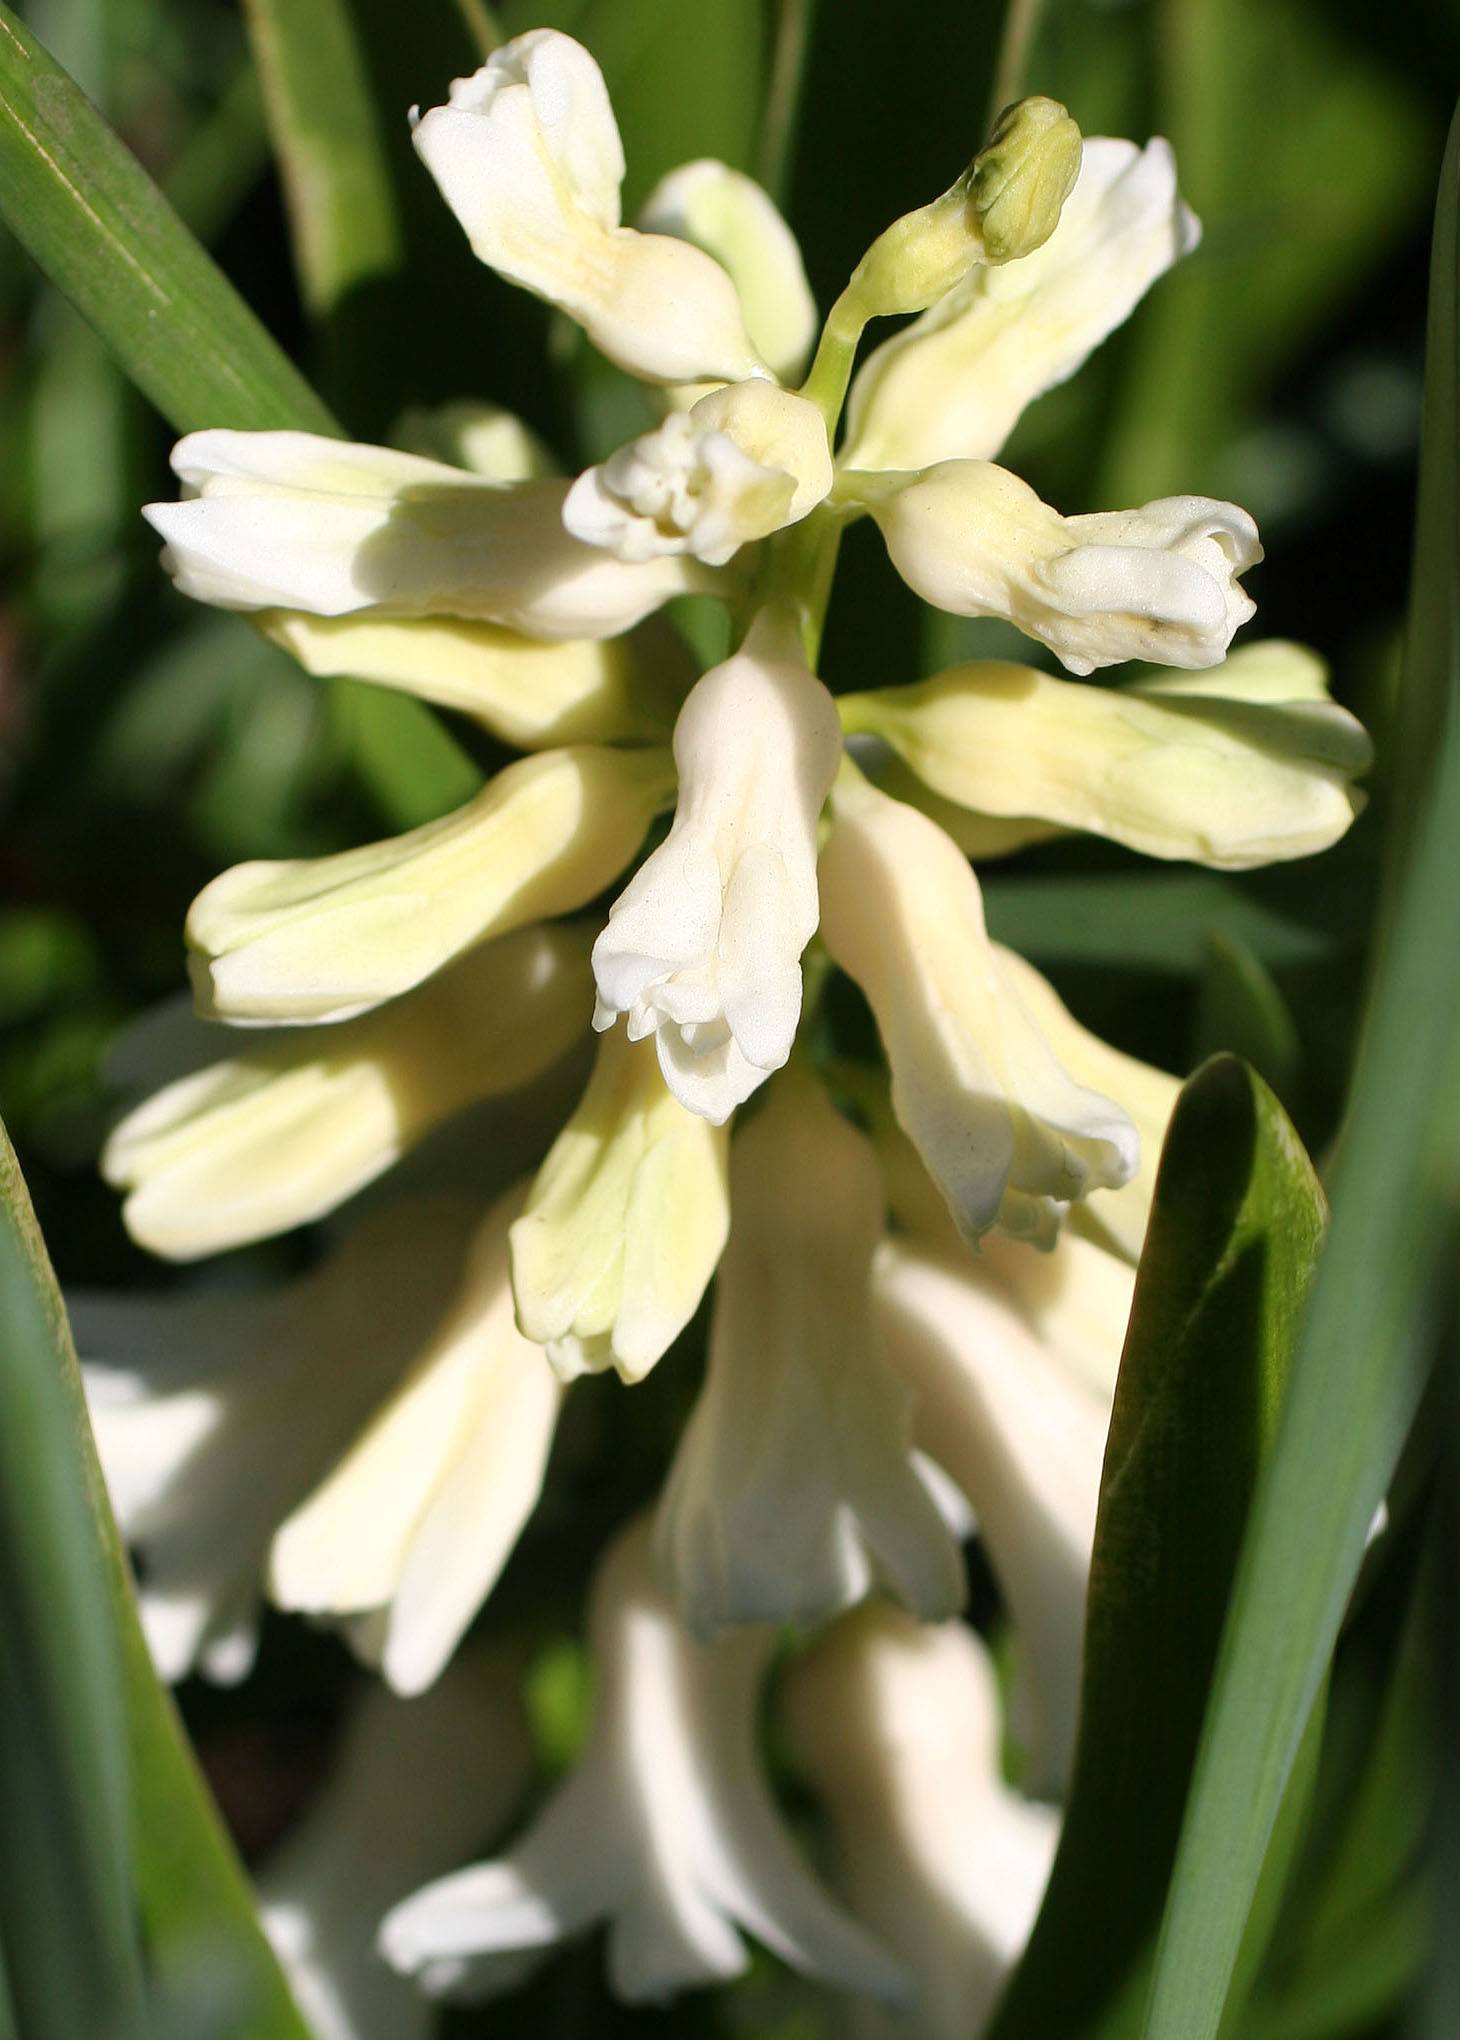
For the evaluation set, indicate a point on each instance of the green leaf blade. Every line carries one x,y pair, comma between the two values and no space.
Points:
72,1957
1362,1362
99,227
118,1885
1233,1244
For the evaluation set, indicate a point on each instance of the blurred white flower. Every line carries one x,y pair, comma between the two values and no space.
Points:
703,946
186,1393
527,155
665,1829
1159,583
1014,1374
316,939
1005,1131
741,463
412,1527
625,1222
415,1784
952,385
898,1727
793,1492
286,1128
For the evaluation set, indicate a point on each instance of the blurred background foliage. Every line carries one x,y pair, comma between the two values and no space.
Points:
146,743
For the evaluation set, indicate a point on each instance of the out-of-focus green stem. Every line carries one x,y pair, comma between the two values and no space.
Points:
481,25
775,145
836,352
1021,20
342,212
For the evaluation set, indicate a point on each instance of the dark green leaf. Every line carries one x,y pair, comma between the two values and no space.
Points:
109,1829
107,237
1234,1239
72,1955
101,230
1362,1360
1158,921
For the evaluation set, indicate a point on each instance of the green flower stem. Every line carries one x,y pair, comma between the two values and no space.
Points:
799,567
836,352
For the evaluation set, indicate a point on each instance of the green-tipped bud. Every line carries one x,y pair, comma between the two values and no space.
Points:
1021,178
1006,203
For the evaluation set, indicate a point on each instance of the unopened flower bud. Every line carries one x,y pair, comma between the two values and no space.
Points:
1006,204
1022,176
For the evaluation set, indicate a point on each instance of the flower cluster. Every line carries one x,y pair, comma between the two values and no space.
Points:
888,1351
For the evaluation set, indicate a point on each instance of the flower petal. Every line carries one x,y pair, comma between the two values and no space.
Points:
1004,1130
1159,583
528,157
421,1514
793,1491
283,1132
1171,772
290,520
952,385
728,215
322,939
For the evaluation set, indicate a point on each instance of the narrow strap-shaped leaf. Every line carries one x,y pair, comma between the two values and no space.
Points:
343,217
72,1954
1362,1359
341,210
97,224
1233,1244
112,1846
105,235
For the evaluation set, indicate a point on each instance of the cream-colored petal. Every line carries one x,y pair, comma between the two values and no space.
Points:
728,215
898,1728
533,693
741,463
1160,582
322,939
665,1830
1172,772
280,1133
1023,1435
1115,1217
528,157
952,385
793,1491
422,1512
625,1222
703,947
1009,1134
186,1393
414,1785
294,521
